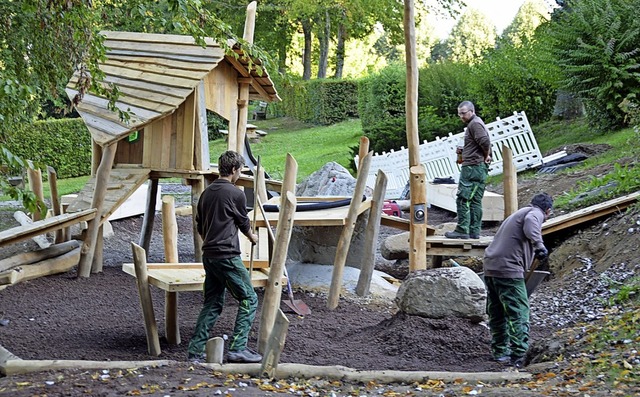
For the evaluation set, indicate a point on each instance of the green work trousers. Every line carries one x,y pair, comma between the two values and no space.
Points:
508,310
471,184
221,274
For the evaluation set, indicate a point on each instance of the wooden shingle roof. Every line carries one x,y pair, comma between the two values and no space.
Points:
154,74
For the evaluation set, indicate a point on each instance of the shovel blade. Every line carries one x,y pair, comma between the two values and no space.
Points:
298,306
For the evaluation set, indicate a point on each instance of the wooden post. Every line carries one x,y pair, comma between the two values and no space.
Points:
215,350
170,240
510,182
98,257
55,203
150,326
149,215
243,94
371,235
261,187
290,175
274,347
273,290
418,233
418,230
363,150
102,180
197,187
347,231
35,185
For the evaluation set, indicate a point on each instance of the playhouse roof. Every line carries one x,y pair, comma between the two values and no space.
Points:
155,73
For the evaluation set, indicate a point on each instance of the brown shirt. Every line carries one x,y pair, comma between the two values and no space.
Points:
477,143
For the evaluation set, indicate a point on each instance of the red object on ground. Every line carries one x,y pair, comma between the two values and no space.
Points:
392,208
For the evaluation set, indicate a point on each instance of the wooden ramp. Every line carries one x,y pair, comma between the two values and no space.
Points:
589,213
123,182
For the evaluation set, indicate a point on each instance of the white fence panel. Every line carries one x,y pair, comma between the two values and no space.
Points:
439,156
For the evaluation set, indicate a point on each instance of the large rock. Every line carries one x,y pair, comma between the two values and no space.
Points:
330,180
443,292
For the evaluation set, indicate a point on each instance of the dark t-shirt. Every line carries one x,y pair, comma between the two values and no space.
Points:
222,211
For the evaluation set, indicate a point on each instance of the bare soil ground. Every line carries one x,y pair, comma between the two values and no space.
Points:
99,318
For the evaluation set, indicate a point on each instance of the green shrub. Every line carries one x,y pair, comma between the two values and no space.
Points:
597,44
62,144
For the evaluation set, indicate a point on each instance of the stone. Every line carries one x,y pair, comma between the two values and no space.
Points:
330,180
443,292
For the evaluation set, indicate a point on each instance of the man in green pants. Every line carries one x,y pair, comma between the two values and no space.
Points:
506,259
476,157
222,212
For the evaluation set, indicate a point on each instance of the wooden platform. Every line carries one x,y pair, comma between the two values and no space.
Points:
326,217
440,245
180,277
123,182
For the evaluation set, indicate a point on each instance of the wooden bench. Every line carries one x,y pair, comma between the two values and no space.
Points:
439,246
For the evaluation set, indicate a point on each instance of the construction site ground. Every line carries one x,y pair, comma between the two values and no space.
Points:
99,318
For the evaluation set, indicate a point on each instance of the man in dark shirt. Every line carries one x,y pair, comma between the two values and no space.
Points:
476,157
506,259
221,213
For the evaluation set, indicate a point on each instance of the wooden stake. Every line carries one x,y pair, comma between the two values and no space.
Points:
170,240
243,94
371,235
35,185
418,232
274,347
273,290
59,235
197,188
347,231
142,279
510,182
149,214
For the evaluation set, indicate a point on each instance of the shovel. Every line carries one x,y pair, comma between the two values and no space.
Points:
296,305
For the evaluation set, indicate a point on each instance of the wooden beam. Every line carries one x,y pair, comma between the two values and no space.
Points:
418,214
149,215
371,235
273,290
274,347
510,182
27,258
347,232
35,185
246,74
170,240
144,292
100,190
21,233
59,235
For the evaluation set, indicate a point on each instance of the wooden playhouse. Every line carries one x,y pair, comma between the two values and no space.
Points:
167,83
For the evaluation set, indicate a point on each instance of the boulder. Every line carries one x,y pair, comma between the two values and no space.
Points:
330,180
443,292
395,247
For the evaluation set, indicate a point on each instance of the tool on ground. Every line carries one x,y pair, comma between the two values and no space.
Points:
296,305
255,214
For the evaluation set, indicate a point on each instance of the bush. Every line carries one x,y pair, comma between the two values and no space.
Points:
62,144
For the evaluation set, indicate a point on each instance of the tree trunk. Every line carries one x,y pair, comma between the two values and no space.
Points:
340,51
323,40
306,54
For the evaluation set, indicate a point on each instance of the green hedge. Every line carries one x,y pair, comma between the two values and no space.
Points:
63,144
321,101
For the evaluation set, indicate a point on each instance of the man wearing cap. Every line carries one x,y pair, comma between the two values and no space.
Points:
506,260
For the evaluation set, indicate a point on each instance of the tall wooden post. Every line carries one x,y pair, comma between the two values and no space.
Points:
35,185
149,215
510,182
55,202
243,94
102,180
417,181
197,188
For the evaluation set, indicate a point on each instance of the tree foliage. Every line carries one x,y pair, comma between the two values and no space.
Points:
471,36
597,44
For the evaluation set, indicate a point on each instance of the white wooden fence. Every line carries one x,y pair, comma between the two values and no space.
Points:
439,156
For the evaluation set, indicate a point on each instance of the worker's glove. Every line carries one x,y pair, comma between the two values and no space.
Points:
541,253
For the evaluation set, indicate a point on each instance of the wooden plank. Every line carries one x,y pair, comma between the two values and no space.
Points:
167,63
149,67
180,277
166,49
146,86
113,36
444,196
48,225
589,213
141,75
